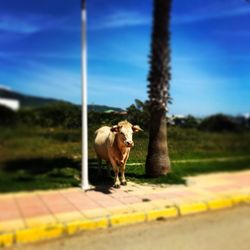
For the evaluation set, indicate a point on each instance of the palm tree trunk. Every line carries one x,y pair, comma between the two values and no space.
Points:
157,162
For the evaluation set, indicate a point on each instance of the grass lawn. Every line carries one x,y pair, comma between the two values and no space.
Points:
35,158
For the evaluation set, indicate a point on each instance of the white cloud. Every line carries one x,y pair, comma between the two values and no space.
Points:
4,87
121,55
121,19
27,23
197,91
214,12
212,59
49,55
100,84
234,33
13,24
120,92
44,80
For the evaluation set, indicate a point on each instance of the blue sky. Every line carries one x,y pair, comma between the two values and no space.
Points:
40,52
40,47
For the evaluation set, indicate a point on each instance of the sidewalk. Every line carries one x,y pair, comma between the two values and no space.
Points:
35,216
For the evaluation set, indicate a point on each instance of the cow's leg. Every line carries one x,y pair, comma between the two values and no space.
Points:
109,166
99,161
123,179
117,181
123,167
116,171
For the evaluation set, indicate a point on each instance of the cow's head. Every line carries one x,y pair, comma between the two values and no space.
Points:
124,131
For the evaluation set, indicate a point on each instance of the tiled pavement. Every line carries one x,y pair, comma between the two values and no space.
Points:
22,215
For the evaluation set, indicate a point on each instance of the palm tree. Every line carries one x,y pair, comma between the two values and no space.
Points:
157,162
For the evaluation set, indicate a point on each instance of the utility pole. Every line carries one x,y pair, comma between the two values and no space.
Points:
85,180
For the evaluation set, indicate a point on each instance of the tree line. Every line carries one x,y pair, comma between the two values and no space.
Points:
68,116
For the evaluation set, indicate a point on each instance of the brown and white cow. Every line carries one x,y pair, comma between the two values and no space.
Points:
113,145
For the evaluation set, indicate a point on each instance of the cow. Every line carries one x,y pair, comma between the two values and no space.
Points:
113,145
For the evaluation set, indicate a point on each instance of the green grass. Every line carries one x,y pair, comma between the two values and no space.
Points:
191,144
182,170
36,158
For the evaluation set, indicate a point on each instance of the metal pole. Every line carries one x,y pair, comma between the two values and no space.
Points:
85,181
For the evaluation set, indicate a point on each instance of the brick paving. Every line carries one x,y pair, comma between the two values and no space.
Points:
32,209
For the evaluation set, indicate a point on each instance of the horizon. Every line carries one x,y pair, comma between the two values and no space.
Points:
41,53
245,115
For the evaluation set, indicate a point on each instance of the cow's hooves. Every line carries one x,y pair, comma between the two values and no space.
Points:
116,186
124,183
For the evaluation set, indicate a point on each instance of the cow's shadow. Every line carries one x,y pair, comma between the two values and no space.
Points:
27,174
99,178
62,172
39,165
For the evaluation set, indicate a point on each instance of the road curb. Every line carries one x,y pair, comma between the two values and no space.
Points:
50,231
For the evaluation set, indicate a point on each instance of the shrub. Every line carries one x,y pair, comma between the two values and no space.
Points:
100,118
218,123
8,117
60,114
138,113
190,122
28,117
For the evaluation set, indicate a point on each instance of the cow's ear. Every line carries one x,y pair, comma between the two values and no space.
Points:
115,128
136,128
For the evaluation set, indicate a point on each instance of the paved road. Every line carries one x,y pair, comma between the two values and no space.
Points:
228,229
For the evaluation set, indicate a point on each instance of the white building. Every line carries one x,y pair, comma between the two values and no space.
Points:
10,103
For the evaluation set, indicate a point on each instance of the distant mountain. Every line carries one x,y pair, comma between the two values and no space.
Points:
28,101
103,108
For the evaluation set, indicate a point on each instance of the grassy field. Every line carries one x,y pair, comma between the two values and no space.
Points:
36,158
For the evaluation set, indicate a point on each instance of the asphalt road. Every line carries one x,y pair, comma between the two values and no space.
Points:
227,229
